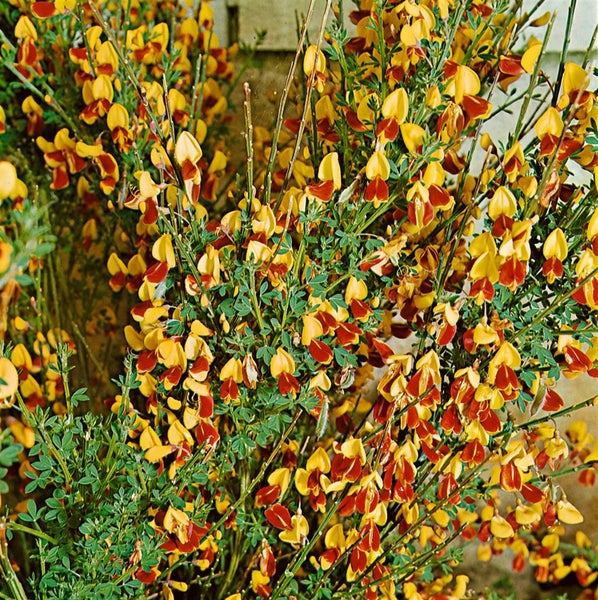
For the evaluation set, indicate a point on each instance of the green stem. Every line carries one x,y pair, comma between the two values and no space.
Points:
94,359
134,81
551,307
41,433
298,560
532,84
254,301
282,106
237,549
8,573
566,42
250,488
10,578
47,96
29,530
306,109
553,415
248,143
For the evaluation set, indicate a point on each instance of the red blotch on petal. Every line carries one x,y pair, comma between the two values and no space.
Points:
279,516
206,433
43,10
320,351
552,401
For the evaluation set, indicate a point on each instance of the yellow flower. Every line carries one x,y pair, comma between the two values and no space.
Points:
502,203
8,179
330,170
9,381
163,251
377,166
550,123
314,60
555,245
299,531
413,136
531,55
282,362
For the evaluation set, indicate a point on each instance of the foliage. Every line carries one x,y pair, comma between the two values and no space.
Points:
341,354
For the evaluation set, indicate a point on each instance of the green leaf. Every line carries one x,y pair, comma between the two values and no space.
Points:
9,455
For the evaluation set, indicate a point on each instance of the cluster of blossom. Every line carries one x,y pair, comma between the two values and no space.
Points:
256,327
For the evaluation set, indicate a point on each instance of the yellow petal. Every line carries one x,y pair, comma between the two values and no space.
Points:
258,579
433,97
258,252
330,170
526,515
502,203
314,59
551,542
356,289
530,57
508,355
549,123
574,79
175,520
9,379
353,448
93,35
177,434
8,179
312,328
483,244
88,150
157,453
501,528
282,362
319,460
567,513
364,111
555,245
413,136
232,369
22,434
335,537
396,105
280,477
542,20
187,148
117,116
484,334
29,105
218,162
301,480
264,221
325,109
484,553
149,438
102,88
163,251
466,83
25,28
5,255
147,187
484,266
199,329
377,166
299,531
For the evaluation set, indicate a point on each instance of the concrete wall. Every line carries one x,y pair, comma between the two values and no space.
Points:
279,18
